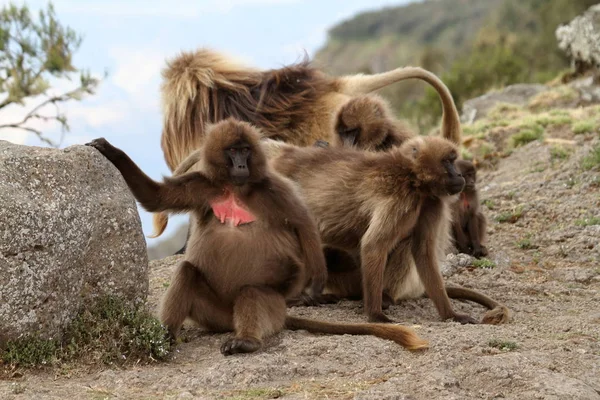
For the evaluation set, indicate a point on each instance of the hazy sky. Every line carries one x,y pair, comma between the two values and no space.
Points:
132,38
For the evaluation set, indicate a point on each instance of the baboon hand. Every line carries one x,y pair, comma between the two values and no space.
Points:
240,345
464,319
480,252
103,146
380,318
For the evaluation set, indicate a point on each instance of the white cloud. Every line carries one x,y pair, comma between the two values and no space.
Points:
137,72
97,116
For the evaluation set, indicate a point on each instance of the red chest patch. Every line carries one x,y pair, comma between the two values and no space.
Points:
229,209
465,201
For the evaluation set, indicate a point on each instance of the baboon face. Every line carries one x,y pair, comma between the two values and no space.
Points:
468,172
238,155
435,160
455,183
233,153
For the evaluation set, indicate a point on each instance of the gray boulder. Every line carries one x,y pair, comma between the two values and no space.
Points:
479,107
580,39
69,231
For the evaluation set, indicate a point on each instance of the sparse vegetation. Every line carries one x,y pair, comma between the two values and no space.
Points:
466,154
538,167
527,134
558,153
585,126
511,216
109,332
592,160
504,345
588,221
526,243
489,203
29,351
484,263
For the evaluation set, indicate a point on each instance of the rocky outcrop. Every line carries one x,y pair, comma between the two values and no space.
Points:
580,39
69,231
518,94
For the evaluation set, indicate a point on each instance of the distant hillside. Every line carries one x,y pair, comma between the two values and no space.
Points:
474,45
380,40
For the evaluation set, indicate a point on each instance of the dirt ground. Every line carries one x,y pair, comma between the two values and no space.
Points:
547,271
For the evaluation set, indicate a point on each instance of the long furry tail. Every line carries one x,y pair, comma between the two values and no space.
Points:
402,335
363,84
498,314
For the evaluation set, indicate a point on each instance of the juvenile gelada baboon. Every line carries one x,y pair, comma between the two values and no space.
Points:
254,244
384,218
469,223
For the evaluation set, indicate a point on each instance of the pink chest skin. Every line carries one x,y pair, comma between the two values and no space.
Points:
229,209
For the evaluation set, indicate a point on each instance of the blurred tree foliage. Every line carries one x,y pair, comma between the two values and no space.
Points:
34,54
474,45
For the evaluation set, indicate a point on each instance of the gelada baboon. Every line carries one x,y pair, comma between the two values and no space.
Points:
254,244
366,123
294,104
390,211
469,223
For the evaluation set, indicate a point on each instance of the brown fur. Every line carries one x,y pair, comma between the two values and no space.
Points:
469,223
366,122
389,211
237,278
294,104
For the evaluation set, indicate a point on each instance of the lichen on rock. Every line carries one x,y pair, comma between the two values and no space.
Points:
69,232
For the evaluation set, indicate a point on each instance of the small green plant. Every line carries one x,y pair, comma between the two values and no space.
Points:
117,332
548,120
109,331
528,133
466,154
538,167
484,263
504,345
526,243
592,160
485,150
585,126
537,257
489,203
558,153
511,216
511,195
501,110
559,112
30,350
588,221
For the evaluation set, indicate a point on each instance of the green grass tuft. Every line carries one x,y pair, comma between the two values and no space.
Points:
489,203
511,216
528,133
504,345
110,331
30,351
588,221
558,153
592,160
484,263
585,126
